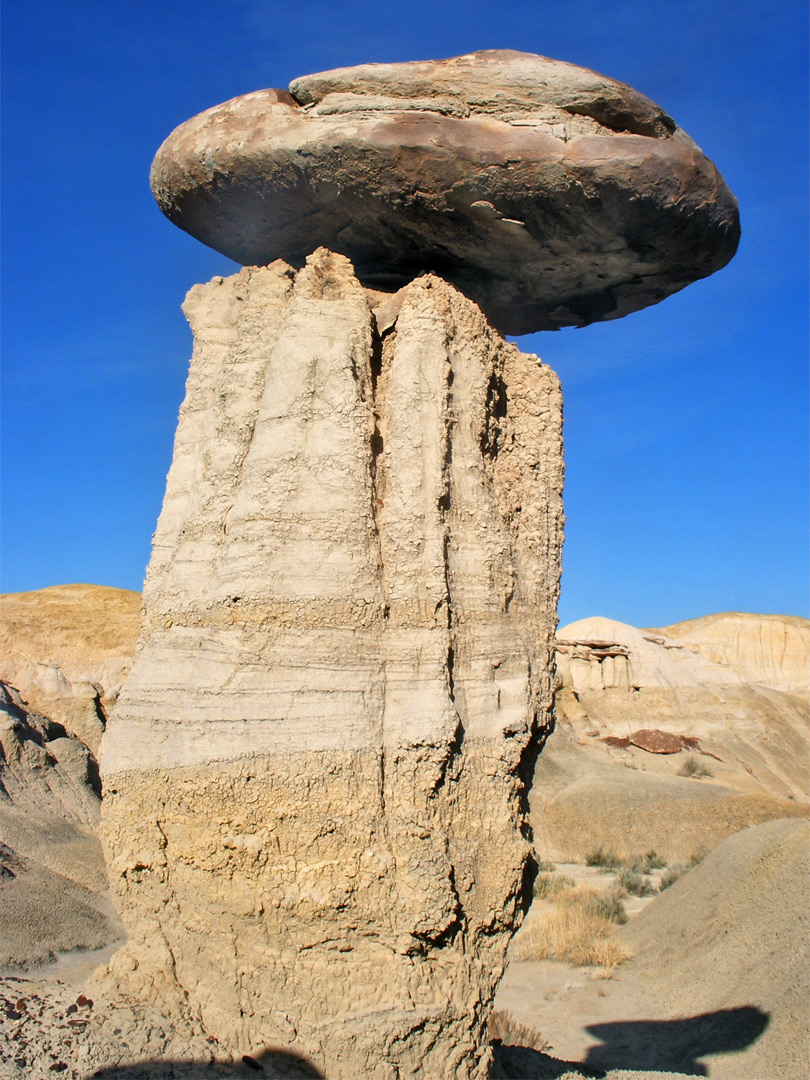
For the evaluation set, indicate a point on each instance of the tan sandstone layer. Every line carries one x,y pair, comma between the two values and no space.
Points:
313,780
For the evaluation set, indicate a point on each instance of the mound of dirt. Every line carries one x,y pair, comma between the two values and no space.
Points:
734,934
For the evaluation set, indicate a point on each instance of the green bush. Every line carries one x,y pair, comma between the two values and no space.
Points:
607,906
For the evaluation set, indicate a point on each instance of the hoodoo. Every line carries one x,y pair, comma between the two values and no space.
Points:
315,778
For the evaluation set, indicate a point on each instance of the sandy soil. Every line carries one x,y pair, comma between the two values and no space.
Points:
719,985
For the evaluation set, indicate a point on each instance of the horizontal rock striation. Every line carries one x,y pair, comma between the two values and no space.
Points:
549,194
315,777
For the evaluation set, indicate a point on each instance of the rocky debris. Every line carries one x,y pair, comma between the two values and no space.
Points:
67,650
549,194
52,880
47,1029
314,777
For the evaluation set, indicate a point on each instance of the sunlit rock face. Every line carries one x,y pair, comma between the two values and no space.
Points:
549,194
314,809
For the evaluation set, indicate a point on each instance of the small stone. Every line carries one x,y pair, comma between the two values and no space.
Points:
72,1009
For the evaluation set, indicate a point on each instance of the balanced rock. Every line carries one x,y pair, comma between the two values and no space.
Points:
314,806
549,194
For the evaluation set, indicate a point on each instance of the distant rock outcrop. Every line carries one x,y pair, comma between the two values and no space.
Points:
769,650
658,745
313,804
53,890
67,650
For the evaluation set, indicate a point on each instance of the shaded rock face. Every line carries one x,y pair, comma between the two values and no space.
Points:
314,778
52,881
549,194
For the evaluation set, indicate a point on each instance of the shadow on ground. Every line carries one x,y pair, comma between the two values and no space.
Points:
637,1045
272,1064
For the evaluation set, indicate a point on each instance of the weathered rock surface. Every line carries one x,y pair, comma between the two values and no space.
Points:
749,742
53,890
67,650
549,194
771,650
314,777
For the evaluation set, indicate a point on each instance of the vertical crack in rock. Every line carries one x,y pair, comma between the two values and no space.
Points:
314,815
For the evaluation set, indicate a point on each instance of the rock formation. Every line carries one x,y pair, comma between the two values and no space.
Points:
550,195
638,709
315,779
53,889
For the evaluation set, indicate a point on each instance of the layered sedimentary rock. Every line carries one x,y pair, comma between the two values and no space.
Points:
549,194
314,779
772,650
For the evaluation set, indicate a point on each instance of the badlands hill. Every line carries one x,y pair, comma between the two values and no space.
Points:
67,650
673,739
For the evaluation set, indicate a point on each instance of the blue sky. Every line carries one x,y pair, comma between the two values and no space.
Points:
685,424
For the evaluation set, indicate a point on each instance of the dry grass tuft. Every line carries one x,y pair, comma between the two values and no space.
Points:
512,1033
696,769
574,926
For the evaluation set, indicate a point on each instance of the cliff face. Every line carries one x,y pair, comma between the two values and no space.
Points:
314,778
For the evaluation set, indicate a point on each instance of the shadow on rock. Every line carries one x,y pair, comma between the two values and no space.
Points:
653,1045
273,1064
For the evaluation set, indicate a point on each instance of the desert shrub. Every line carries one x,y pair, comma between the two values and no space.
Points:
671,874
606,860
694,768
645,863
697,857
545,867
633,883
547,886
607,906
572,930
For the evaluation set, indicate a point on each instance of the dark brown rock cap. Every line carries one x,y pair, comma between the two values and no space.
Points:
549,194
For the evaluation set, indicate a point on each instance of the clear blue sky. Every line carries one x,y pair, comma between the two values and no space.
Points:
686,424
